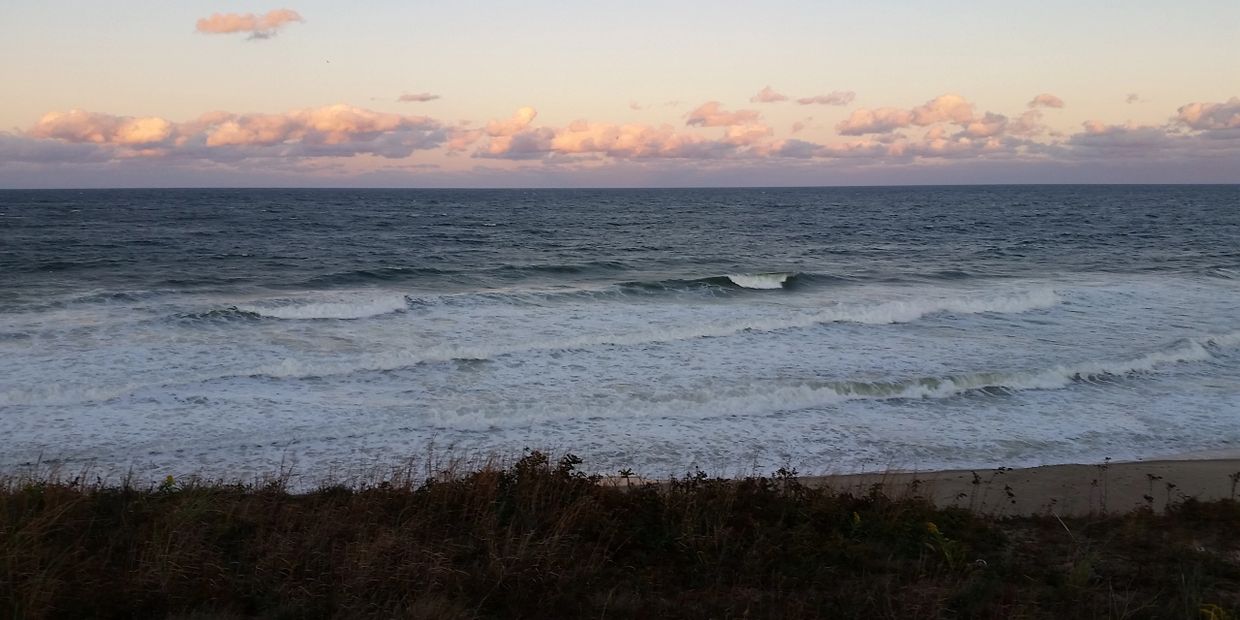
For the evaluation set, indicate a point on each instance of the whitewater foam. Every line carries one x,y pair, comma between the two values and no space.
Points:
900,311
360,308
748,398
760,281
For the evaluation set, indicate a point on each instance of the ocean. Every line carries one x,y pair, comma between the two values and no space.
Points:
233,333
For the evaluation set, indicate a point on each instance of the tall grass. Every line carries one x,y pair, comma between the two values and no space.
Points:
538,538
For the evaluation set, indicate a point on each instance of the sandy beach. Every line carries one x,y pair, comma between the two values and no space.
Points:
1064,490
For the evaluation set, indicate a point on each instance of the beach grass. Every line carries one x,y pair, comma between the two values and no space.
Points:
537,537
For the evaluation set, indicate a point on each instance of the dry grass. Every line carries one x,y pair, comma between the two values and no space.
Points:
540,539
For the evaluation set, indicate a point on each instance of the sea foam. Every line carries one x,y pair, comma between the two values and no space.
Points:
360,308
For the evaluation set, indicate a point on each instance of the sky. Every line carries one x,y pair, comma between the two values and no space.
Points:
541,93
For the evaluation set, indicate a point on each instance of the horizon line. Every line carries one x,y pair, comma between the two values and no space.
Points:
600,187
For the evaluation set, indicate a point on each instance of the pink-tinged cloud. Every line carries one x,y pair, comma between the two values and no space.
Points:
768,95
517,138
752,134
987,126
944,108
82,126
416,97
839,97
880,120
257,26
337,130
1209,116
1045,100
331,125
308,139
712,114
511,126
1029,123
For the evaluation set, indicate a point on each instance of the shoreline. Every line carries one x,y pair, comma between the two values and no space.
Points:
1062,490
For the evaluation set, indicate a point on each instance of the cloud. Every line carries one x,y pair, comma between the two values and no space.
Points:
712,114
839,97
987,126
767,95
944,108
1202,136
879,120
1045,100
1132,98
258,26
519,121
1029,123
516,138
337,130
82,126
953,108
416,97
1202,116
28,149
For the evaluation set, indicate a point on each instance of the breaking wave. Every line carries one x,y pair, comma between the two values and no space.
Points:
889,312
761,281
361,308
753,397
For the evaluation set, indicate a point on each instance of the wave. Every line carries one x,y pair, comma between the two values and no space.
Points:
1055,377
761,281
903,311
757,397
345,309
738,282
786,397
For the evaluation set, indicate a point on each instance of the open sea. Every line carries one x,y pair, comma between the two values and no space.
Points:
234,332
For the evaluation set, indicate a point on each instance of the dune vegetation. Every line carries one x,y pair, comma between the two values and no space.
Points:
540,538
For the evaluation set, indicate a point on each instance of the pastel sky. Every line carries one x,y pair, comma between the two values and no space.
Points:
427,93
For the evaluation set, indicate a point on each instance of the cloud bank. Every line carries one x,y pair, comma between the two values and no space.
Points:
943,131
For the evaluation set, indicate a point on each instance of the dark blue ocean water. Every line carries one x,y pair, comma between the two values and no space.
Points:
227,331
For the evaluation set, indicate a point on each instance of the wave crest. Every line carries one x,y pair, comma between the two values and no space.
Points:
760,281
342,310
